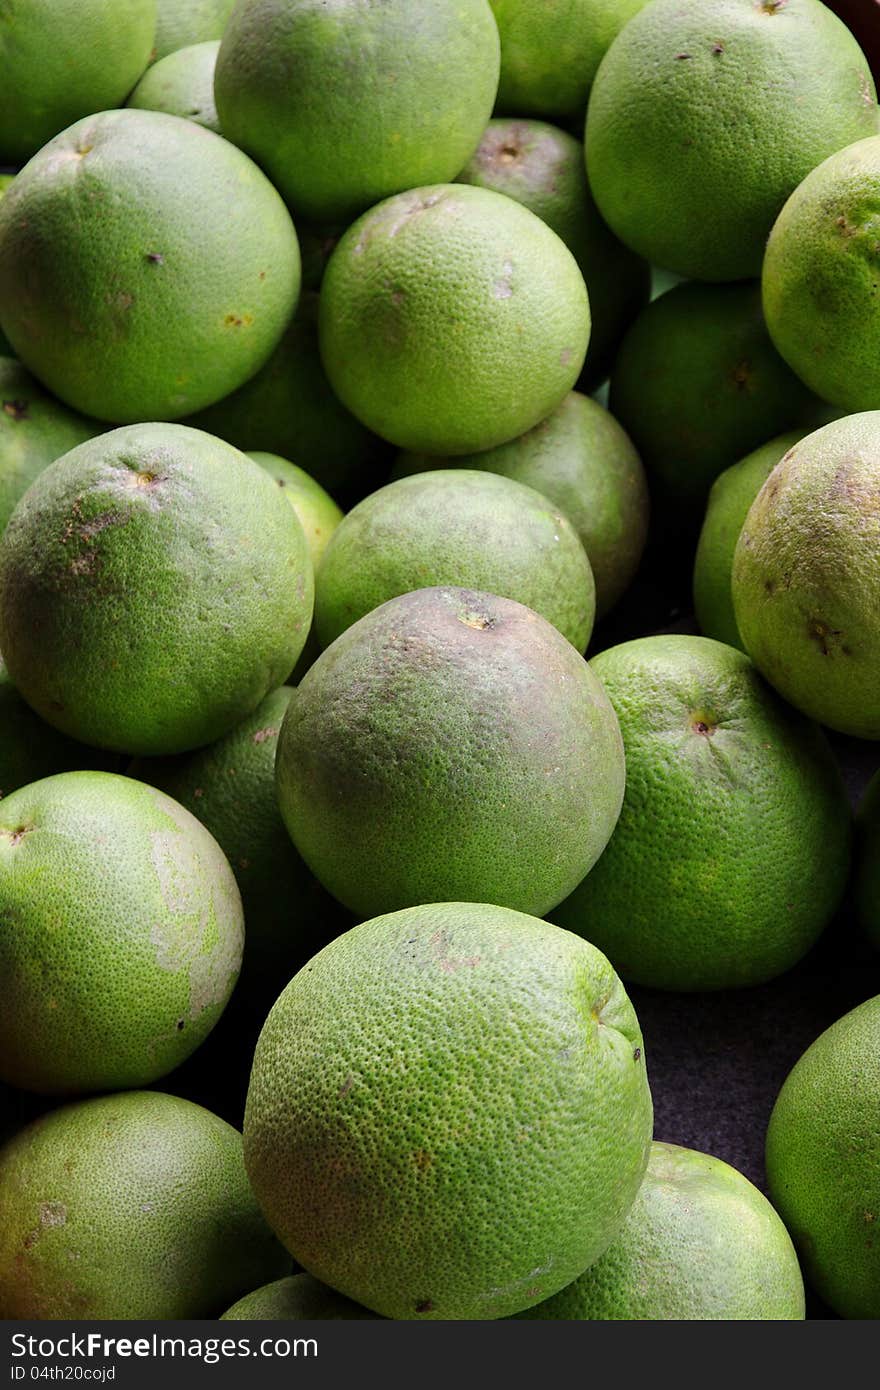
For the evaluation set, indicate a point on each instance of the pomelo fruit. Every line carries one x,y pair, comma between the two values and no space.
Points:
230,787
457,527
35,429
182,84
289,408
867,874
178,25
316,511
820,278
823,1161
397,95
129,1206
452,319
450,746
700,1242
31,749
733,493
154,587
297,1298
732,849
584,462
697,384
448,1114
806,577
121,934
147,267
542,167
63,60
550,52
704,118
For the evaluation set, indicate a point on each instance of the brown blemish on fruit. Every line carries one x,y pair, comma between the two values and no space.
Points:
870,1216
847,228
771,6
83,150
397,298
419,205
422,1160
16,836
425,1306
16,410
123,301
823,635
263,734
742,374
238,320
637,1054
481,622
565,357
681,57
718,48
346,1087
439,944
155,258
507,154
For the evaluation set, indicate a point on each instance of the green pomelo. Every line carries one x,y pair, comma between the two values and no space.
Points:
806,576
298,1298
452,319
550,52
63,60
31,749
823,1161
543,168
867,872
152,934
457,527
181,23
699,1243
230,787
290,409
450,746
584,462
147,267
182,84
704,118
35,429
733,493
448,1115
698,384
316,511
732,849
396,95
154,587
821,274
128,1206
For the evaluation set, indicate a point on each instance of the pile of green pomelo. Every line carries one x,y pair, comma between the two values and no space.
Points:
368,366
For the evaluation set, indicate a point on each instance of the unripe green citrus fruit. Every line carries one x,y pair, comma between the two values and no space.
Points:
806,576
195,21
154,587
128,1206
733,493
823,1161
732,849
584,462
704,118
821,275
397,95
450,746
181,84
31,749
452,319
542,167
448,1114
297,1298
700,1242
35,429
458,527
316,511
147,267
152,934
64,59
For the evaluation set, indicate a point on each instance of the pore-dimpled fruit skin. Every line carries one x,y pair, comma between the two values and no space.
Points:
450,746
182,85
297,1298
823,1161
806,577
820,278
699,1243
155,585
448,1114
147,266
452,319
197,21
152,934
732,849
31,749
346,104
704,118
35,429
63,59
129,1206
461,527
